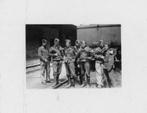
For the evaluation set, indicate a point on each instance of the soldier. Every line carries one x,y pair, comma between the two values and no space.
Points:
69,63
105,48
101,44
77,46
108,63
117,63
84,61
44,62
56,52
99,60
77,66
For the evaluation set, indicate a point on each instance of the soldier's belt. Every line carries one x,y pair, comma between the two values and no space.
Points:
98,61
57,59
69,60
87,58
84,60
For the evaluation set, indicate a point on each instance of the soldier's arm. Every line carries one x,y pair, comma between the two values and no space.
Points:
75,53
40,55
92,53
88,50
78,55
50,52
106,60
116,59
75,50
62,51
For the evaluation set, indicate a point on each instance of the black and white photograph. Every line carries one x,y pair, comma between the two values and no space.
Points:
73,56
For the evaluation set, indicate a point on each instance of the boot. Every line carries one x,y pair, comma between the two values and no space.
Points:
88,81
68,79
81,79
69,83
84,84
110,84
73,82
56,81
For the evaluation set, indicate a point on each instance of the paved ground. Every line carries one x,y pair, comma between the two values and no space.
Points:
33,79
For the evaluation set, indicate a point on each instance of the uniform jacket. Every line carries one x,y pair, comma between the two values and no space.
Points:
84,54
43,53
76,49
98,55
56,52
70,54
109,60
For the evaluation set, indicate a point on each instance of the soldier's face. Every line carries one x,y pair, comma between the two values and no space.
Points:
106,47
44,43
77,44
56,42
67,44
83,44
101,44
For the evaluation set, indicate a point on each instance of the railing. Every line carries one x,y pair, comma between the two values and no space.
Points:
30,66
36,65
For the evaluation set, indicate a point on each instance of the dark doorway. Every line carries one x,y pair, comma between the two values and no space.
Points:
36,32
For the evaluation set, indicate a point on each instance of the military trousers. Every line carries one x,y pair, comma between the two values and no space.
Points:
57,65
99,74
109,82
45,71
70,69
85,72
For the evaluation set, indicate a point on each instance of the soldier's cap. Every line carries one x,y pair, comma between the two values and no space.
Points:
111,51
77,41
83,42
56,40
98,49
106,43
101,41
67,40
44,41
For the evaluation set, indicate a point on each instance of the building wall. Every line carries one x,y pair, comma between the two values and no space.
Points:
88,34
111,34
94,33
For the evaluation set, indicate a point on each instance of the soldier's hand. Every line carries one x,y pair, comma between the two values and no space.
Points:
46,60
56,54
78,66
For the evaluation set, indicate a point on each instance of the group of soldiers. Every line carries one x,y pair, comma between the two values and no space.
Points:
77,60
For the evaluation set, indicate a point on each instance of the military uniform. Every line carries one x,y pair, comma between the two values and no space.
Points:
108,65
84,61
99,60
77,66
69,63
57,57
45,63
